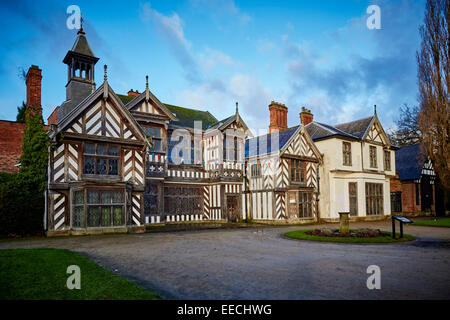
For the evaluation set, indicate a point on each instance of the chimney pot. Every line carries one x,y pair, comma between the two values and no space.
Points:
306,116
132,93
278,116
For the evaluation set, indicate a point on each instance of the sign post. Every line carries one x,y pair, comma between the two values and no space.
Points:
402,220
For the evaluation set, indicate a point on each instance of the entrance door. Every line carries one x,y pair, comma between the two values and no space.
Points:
233,208
292,204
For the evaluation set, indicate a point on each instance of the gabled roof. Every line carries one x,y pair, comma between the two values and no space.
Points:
220,123
134,102
356,128
409,161
86,102
186,117
252,147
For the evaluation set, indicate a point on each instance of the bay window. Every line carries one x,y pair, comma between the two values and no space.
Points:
98,208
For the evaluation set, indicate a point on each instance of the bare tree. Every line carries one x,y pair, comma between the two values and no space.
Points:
407,131
434,80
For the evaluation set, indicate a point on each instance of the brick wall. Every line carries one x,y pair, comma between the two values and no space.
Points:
33,82
11,136
396,184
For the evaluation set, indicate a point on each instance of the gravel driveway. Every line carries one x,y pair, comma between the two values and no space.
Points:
258,263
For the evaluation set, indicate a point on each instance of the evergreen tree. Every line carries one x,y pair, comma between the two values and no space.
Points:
21,113
34,159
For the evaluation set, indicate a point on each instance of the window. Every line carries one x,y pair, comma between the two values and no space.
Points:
256,170
373,156
231,150
151,199
298,169
300,204
387,160
98,208
305,204
183,200
347,153
353,198
156,134
374,198
101,159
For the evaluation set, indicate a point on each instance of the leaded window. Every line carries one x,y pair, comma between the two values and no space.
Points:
183,200
101,159
98,208
374,198
300,204
347,153
155,133
151,199
373,156
387,160
298,170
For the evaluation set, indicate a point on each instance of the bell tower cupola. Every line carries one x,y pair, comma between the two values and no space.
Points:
80,61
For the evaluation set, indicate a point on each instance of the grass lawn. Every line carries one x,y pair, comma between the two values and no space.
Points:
300,234
28,274
440,222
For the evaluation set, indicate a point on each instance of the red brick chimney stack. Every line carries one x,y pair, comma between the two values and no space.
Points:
33,82
132,93
278,116
306,116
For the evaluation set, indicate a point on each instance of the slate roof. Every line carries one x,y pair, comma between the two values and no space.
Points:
356,128
409,161
186,117
219,123
318,131
81,46
252,146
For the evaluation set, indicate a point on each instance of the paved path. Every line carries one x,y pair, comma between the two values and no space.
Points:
261,264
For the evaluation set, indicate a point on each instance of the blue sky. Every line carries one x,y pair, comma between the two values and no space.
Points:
209,54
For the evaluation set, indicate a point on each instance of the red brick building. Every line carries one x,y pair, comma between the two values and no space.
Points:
413,189
11,132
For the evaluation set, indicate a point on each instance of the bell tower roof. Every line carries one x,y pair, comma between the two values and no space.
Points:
80,49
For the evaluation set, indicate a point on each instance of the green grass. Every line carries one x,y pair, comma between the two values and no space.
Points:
440,222
29,274
387,238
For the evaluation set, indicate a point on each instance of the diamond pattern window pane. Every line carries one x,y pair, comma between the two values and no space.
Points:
93,218
101,166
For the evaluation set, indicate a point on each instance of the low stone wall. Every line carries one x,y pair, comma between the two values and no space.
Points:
96,231
358,218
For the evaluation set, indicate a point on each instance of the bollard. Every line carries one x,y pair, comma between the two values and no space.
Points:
344,226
